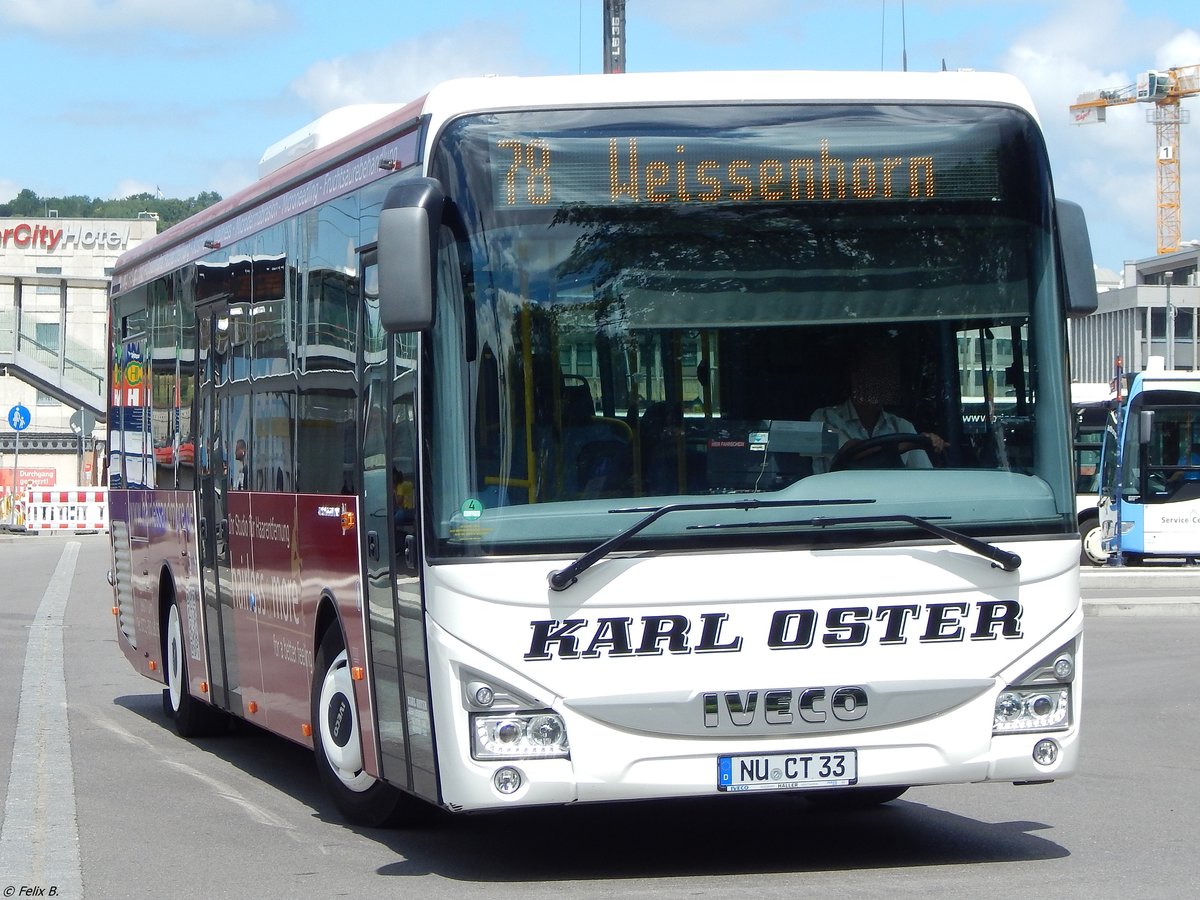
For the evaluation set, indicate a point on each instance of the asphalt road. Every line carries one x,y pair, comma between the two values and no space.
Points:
103,800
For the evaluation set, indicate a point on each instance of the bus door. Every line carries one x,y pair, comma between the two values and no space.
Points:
212,483
389,529
131,401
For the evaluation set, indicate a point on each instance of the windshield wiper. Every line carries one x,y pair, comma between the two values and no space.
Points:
563,578
1001,559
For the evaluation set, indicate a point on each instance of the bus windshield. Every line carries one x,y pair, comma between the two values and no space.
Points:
856,306
1168,469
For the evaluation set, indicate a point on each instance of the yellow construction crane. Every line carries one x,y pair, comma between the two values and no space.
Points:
1164,90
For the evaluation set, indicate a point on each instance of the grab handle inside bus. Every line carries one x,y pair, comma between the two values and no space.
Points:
408,230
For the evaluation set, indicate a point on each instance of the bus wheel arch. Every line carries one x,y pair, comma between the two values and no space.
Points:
337,737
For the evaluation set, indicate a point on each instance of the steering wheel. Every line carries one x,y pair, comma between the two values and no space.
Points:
880,444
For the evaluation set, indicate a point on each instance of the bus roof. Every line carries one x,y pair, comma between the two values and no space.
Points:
293,183
454,98
1166,380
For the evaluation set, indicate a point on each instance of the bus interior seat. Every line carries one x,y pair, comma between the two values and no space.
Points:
659,430
597,451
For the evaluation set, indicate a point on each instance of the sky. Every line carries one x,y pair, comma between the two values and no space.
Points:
108,98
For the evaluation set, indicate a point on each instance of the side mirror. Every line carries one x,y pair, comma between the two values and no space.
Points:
1078,267
1145,425
408,240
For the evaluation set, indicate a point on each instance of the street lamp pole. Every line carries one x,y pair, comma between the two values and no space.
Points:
1170,324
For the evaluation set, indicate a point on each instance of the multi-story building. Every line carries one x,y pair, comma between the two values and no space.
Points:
1153,313
54,275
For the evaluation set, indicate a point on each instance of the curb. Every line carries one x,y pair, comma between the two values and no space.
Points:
1128,606
1124,591
1176,578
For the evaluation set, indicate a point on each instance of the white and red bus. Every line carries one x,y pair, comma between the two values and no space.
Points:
500,464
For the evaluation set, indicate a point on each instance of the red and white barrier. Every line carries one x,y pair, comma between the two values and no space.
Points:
69,509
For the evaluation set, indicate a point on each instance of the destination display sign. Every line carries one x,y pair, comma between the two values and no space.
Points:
780,165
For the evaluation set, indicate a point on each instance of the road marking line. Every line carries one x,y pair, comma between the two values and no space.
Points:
39,843
227,792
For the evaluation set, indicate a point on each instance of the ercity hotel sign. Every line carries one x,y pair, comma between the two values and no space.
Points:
75,236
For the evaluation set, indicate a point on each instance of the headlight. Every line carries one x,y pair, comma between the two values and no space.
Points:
1040,700
1032,709
519,735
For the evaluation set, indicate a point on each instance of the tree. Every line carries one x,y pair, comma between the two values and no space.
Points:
170,211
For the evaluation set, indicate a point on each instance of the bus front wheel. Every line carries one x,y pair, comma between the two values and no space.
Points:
337,740
1091,552
192,717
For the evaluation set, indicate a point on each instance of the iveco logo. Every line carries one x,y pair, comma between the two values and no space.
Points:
784,706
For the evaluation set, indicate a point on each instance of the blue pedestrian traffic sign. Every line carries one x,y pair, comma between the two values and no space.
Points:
18,418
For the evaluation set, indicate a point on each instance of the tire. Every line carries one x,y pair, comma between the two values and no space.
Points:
337,742
1091,552
192,717
855,797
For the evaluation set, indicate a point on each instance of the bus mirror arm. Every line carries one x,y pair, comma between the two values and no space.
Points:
409,224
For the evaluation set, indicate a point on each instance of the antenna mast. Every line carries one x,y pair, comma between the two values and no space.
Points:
614,37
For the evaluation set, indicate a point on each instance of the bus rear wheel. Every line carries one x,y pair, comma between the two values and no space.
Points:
337,740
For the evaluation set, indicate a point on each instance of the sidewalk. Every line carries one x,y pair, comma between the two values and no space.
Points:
1155,590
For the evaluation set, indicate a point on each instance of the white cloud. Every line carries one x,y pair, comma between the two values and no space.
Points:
8,190
1109,168
226,177
407,69
1181,50
72,18
127,187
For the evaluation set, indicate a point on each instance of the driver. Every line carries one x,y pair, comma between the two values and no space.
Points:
874,383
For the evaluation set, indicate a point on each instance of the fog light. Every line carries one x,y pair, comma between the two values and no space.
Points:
1045,753
507,780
